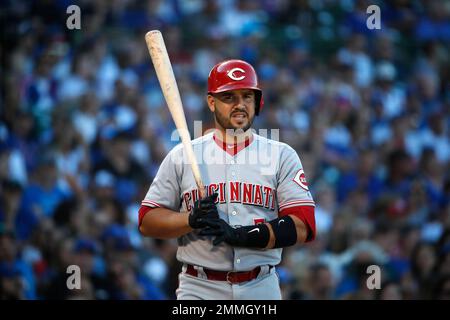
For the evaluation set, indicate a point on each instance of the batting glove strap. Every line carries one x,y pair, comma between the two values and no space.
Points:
284,231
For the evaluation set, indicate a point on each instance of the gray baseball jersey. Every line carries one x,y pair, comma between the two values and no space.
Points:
254,185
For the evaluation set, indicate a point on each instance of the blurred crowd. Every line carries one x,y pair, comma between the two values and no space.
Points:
84,127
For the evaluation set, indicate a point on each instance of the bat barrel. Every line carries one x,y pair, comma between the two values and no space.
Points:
163,67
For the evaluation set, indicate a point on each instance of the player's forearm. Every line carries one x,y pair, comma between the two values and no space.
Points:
300,227
271,242
302,230
165,224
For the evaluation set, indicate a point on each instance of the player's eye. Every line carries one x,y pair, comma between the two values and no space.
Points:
227,98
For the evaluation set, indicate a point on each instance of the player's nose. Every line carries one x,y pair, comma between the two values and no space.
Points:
239,104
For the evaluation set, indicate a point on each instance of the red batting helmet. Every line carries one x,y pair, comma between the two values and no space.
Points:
232,75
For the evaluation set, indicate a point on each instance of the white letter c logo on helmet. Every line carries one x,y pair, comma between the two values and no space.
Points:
231,75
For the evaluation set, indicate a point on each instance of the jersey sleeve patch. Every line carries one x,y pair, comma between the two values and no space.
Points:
300,179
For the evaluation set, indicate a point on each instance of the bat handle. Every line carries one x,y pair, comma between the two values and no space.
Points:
202,191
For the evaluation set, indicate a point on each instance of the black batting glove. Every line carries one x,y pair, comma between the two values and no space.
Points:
256,236
203,209
223,232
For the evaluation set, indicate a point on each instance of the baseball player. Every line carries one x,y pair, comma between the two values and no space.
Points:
257,202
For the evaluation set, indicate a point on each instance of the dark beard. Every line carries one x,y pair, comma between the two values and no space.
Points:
226,123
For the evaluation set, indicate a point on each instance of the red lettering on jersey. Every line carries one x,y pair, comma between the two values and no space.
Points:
187,200
258,220
258,195
235,192
194,195
267,194
222,192
247,194
273,200
212,188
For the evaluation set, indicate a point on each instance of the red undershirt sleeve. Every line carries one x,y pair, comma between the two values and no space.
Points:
306,215
143,210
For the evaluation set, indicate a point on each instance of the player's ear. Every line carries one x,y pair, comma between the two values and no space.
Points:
211,102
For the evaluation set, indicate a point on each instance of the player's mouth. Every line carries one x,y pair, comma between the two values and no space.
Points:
239,115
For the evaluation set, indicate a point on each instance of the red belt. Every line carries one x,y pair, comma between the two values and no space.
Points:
228,276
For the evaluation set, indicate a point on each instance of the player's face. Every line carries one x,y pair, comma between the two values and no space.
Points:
233,109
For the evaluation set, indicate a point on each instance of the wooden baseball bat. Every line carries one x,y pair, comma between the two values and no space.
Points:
163,66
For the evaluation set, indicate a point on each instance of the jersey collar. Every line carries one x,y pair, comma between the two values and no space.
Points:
233,148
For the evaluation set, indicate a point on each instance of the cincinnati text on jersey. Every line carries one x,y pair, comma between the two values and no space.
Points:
236,192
